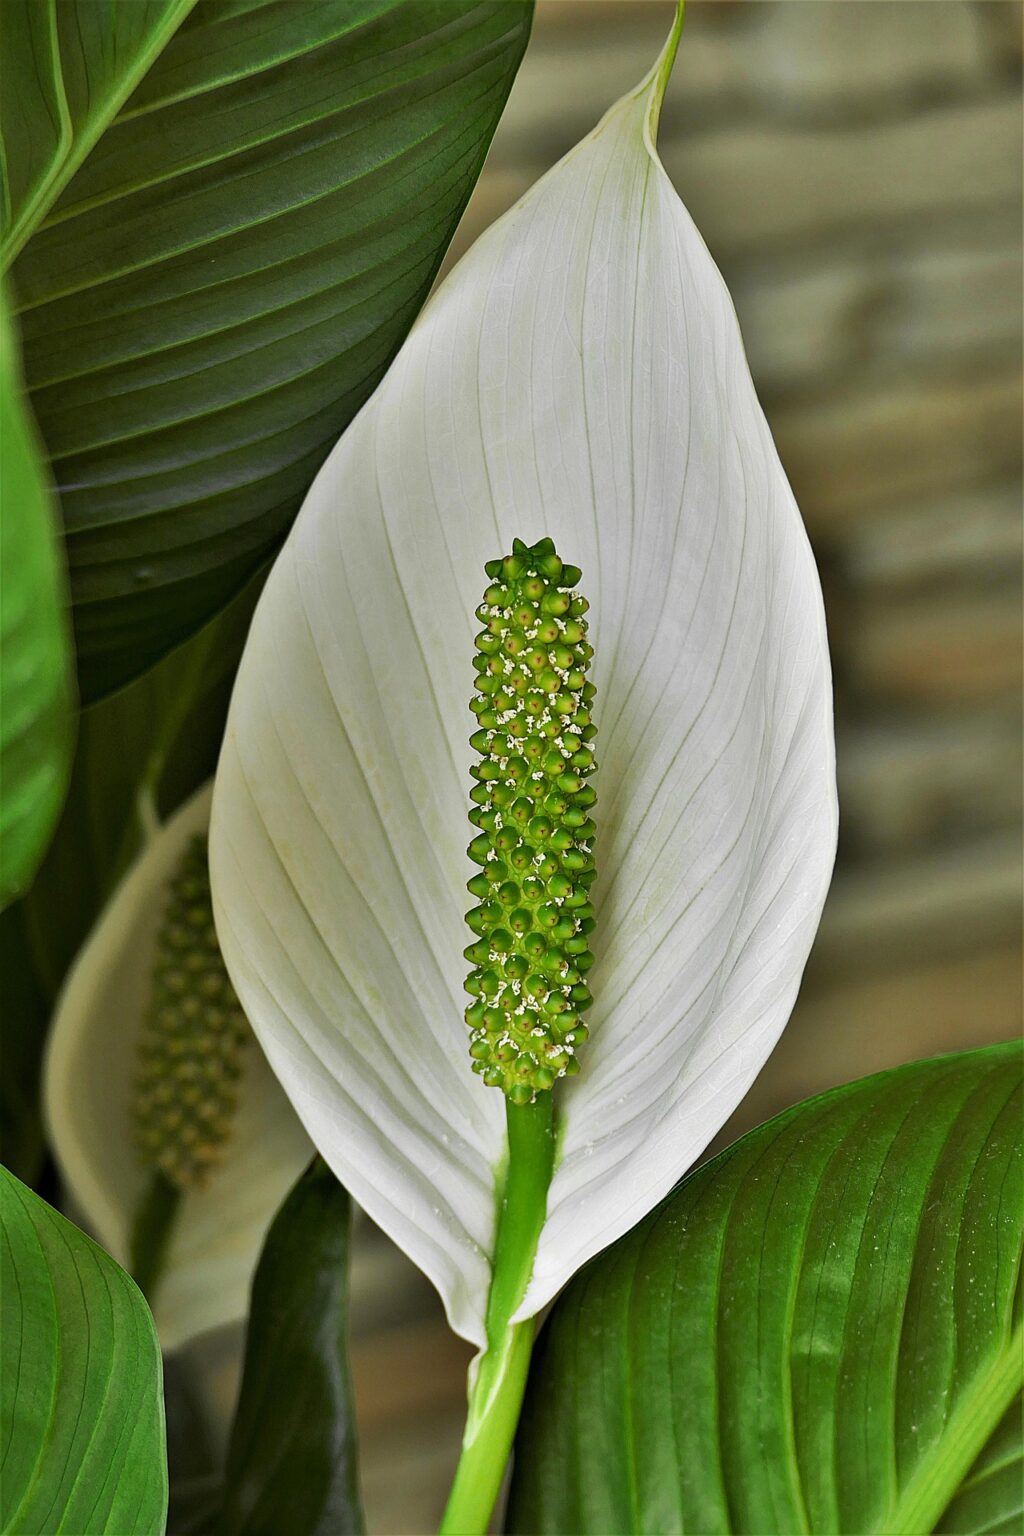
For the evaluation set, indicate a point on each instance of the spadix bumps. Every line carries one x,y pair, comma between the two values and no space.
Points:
194,1037
532,804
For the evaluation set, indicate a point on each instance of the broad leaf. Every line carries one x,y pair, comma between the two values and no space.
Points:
818,1331
82,1415
67,69
89,1085
143,750
140,753
35,661
991,1497
222,283
579,375
291,1462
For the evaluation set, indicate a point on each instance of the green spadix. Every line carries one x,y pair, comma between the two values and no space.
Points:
193,1041
532,804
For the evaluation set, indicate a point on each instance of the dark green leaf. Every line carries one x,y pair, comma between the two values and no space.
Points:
35,663
815,1332
140,752
25,1013
292,1459
154,743
80,1402
223,282
65,72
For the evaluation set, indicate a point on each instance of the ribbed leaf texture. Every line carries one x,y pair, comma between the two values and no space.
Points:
222,281
82,1426
35,660
819,1331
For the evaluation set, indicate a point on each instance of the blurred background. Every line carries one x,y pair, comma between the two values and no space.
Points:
855,168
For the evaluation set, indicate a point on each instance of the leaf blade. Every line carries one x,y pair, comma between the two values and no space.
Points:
292,1454
224,281
35,661
90,75
83,1412
790,1369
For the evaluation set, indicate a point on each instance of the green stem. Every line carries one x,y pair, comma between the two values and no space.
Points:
497,1393
151,1232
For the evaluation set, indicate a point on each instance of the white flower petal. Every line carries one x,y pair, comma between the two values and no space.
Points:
90,1065
579,375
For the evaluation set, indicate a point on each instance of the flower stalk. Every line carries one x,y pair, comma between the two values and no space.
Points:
531,953
496,1394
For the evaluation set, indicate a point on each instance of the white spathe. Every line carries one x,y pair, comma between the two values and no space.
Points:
579,375
88,1083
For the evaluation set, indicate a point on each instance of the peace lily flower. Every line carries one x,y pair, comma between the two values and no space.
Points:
95,1074
579,377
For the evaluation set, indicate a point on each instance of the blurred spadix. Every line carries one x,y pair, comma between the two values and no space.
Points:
90,1090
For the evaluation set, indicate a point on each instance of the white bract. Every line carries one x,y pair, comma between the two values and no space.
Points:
579,375
89,1087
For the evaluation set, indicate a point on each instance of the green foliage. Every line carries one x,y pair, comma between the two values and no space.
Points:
291,1462
82,1414
991,1499
148,745
232,214
67,70
141,753
815,1332
35,691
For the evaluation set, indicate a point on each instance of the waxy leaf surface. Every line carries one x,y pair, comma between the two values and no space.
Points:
262,194
35,656
291,1462
81,1409
580,375
819,1331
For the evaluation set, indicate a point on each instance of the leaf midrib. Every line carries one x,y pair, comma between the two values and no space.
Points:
63,168
940,1474
374,93
172,252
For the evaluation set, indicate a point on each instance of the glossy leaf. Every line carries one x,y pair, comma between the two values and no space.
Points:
818,1331
67,69
35,659
223,281
82,1415
139,755
145,749
291,1462
991,1498
580,375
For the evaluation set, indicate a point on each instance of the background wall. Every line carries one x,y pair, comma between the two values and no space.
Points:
855,168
